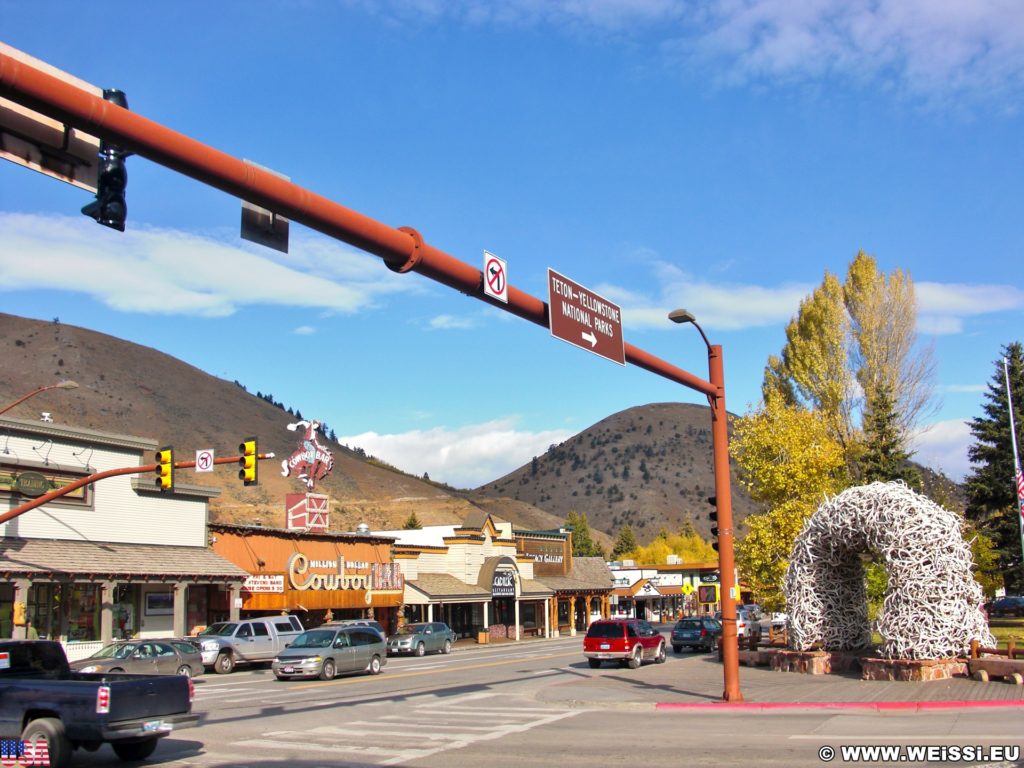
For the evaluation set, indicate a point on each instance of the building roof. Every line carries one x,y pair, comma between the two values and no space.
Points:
587,574
78,434
112,559
428,536
444,585
301,533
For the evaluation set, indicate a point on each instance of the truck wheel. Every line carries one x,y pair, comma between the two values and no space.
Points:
224,664
327,670
50,730
134,750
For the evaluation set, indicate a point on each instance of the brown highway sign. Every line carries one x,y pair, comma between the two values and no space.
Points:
582,318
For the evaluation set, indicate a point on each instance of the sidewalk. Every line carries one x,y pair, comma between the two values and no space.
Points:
695,681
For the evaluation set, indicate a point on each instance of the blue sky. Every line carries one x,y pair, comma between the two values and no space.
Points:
718,156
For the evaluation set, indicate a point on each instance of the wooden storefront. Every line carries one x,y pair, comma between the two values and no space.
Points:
319,576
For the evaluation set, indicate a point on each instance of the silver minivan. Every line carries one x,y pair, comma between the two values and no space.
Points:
327,651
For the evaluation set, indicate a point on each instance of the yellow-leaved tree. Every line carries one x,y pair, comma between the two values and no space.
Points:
789,460
687,545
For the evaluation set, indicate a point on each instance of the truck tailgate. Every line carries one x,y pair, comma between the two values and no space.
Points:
144,696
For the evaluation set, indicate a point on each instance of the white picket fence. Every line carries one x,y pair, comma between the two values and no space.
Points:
80,650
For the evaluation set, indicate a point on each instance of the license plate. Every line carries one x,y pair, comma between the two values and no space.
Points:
288,669
155,726
605,646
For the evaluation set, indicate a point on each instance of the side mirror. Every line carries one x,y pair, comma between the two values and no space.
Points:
287,645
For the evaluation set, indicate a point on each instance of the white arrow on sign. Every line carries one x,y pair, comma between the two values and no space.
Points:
589,337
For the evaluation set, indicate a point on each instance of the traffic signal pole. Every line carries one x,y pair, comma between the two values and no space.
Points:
402,249
56,493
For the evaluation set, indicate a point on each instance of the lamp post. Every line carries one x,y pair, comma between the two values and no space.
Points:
723,501
59,385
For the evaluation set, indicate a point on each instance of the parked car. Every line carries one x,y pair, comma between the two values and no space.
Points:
145,657
747,625
1011,605
326,651
695,632
779,620
43,699
422,638
358,623
627,641
229,643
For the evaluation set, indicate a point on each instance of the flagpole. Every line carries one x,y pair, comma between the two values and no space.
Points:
1018,479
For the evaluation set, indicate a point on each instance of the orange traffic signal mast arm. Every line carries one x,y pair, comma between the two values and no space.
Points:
56,493
402,249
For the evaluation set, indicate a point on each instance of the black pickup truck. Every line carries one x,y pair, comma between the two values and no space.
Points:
41,699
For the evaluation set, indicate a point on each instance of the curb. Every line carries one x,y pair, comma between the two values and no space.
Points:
876,706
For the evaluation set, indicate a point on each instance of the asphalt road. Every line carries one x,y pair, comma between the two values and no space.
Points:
527,705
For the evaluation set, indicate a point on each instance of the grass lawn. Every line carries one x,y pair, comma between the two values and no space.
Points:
1004,629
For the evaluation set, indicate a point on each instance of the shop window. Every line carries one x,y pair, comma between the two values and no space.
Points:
84,612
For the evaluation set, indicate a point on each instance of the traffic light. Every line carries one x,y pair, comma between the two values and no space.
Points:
713,501
19,614
110,207
249,463
165,468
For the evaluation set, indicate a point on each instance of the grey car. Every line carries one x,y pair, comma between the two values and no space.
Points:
145,657
328,651
421,638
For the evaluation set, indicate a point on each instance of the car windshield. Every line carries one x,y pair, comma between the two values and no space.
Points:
605,630
315,638
220,629
688,624
114,651
411,629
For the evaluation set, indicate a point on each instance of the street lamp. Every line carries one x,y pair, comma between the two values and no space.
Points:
66,384
723,502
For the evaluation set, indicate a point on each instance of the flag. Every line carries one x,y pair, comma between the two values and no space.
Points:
1020,490
37,753
11,751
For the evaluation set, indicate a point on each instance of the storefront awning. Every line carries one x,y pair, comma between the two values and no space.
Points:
36,557
442,587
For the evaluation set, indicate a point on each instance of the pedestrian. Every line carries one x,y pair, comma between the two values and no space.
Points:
30,631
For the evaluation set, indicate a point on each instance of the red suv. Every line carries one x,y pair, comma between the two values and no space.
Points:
627,641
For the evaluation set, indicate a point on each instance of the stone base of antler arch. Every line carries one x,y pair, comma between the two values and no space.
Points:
813,662
913,670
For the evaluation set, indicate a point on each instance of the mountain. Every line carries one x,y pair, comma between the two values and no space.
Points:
125,388
649,467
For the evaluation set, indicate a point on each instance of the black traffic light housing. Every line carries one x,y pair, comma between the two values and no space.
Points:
713,501
110,208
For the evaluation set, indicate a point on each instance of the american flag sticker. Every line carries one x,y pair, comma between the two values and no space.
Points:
18,752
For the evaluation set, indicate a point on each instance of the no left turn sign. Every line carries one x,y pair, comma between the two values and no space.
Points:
495,277
204,460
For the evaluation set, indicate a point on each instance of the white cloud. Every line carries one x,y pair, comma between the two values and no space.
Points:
164,271
464,457
964,388
942,446
304,330
929,48
933,49
450,322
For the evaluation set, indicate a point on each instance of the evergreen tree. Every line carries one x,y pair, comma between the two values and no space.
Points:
583,544
625,543
991,492
885,457
412,522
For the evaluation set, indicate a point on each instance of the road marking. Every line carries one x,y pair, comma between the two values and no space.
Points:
420,673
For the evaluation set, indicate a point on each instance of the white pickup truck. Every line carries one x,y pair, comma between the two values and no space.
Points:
229,643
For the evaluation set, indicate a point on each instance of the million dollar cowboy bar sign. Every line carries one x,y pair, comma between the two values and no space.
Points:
306,574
